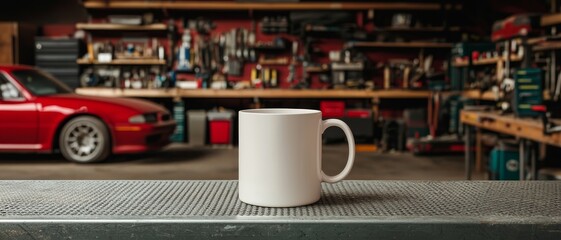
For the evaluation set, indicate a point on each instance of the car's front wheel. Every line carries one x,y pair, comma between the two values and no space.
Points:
85,139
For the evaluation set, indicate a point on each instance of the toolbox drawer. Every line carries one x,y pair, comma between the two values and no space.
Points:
61,71
58,57
528,91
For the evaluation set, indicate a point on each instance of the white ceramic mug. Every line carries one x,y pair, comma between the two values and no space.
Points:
280,156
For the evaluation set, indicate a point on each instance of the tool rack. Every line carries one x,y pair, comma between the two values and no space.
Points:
251,7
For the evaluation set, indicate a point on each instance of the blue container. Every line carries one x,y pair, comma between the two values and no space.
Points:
179,117
504,162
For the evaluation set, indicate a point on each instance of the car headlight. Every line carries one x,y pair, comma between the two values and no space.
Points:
144,118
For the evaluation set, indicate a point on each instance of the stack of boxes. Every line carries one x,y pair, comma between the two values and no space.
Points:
179,117
416,123
216,127
460,76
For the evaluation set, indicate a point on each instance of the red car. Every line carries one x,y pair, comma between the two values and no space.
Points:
40,114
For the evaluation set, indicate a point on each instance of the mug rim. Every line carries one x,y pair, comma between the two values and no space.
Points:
280,111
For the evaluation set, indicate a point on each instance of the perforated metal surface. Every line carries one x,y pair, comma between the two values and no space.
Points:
216,199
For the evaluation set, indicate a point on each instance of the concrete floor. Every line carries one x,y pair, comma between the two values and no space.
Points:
185,162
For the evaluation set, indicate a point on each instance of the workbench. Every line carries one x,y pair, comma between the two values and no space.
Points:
257,94
525,129
347,210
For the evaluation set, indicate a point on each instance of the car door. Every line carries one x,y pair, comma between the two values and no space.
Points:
19,118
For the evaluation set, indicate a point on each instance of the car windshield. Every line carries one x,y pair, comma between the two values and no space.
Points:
39,83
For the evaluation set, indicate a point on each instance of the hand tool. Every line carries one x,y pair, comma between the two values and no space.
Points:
548,126
292,66
171,42
433,111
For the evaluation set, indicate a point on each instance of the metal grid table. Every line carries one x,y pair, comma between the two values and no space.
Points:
351,209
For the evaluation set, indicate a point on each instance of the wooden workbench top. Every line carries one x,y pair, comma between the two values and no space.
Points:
527,128
255,93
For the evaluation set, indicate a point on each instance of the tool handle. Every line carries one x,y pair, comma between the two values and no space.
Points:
539,108
350,139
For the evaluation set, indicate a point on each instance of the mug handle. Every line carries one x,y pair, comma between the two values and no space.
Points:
350,139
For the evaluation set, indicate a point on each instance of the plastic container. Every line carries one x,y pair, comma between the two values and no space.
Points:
332,109
220,124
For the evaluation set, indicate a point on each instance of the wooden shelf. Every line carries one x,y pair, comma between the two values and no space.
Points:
254,93
123,62
478,95
114,92
273,93
551,19
543,39
316,69
120,27
401,94
279,93
536,40
460,64
490,96
545,46
488,61
515,58
267,6
400,44
420,29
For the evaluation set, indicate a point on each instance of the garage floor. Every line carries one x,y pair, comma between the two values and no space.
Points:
185,162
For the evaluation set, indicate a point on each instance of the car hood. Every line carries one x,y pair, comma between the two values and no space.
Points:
142,106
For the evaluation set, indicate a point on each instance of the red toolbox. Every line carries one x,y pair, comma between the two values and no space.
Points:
359,113
359,121
220,132
332,109
220,127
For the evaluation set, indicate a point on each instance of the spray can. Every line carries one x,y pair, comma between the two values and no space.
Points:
185,51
